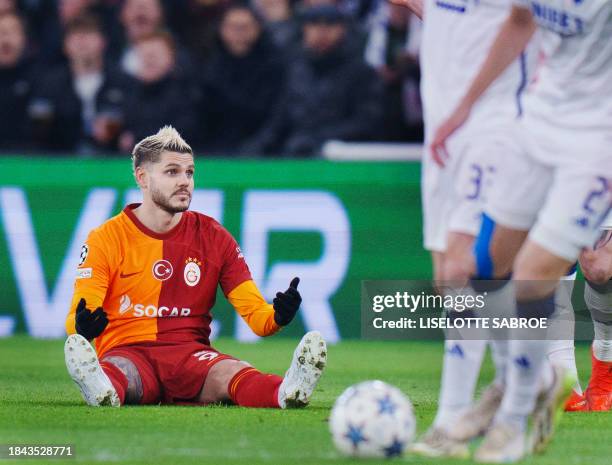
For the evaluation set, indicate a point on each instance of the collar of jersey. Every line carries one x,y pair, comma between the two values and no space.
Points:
128,210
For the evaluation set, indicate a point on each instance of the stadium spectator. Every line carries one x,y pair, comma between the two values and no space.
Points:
241,81
78,106
280,21
356,35
392,50
160,95
142,18
330,93
59,15
195,23
15,82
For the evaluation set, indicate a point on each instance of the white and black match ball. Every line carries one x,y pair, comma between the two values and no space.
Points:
372,419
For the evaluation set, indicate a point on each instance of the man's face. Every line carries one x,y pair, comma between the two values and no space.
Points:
322,38
12,41
84,45
239,31
141,17
169,182
156,60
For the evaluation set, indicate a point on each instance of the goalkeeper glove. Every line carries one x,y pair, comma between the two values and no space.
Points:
286,304
90,324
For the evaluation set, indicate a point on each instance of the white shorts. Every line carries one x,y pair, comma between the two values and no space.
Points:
558,186
453,197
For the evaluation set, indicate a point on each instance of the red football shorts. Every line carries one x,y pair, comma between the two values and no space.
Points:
170,372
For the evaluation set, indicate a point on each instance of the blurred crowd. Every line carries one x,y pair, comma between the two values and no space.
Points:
269,77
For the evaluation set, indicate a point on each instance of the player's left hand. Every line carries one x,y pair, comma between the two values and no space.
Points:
439,153
89,324
286,304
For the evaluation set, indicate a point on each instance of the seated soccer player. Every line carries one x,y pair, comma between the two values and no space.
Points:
145,287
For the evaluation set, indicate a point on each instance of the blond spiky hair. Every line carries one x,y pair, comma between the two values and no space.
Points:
150,148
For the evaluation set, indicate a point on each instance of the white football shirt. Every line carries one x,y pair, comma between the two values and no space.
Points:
573,89
457,36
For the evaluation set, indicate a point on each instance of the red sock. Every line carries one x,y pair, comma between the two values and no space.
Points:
251,388
117,378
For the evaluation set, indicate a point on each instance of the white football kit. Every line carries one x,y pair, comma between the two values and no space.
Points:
457,35
560,184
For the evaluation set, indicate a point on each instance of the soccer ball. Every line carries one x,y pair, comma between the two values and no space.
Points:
372,419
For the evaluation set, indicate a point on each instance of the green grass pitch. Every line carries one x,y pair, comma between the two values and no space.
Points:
40,405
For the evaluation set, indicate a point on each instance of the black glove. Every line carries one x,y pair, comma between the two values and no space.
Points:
90,324
286,304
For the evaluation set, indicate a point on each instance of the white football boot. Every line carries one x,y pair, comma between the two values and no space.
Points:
309,360
503,443
475,422
85,370
549,408
437,443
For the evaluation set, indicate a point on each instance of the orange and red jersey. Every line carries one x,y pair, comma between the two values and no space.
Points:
162,287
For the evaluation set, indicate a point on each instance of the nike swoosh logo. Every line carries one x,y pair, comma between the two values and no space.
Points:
127,275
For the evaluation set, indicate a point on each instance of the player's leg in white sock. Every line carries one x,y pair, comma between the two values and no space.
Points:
494,250
499,300
462,355
599,301
562,353
596,264
499,354
536,275
561,350
528,371
527,362
462,361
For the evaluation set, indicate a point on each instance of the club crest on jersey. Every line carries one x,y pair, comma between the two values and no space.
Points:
162,270
192,272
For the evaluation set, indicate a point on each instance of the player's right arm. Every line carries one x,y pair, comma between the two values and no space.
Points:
90,287
511,40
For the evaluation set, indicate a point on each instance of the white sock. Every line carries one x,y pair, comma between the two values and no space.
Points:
462,361
602,342
561,352
526,373
499,354
600,306
526,367
499,303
